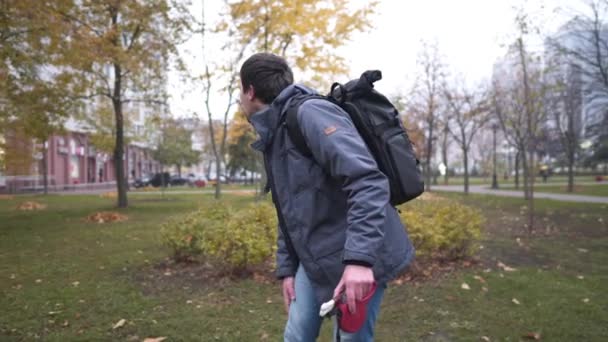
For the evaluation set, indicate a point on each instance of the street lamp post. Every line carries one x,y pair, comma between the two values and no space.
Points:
494,177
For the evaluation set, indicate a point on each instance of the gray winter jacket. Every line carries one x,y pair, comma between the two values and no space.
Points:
333,208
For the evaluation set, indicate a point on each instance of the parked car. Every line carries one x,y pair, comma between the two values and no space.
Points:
159,179
141,182
196,180
177,180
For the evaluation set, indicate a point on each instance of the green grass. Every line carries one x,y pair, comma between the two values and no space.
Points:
459,180
119,272
588,190
184,188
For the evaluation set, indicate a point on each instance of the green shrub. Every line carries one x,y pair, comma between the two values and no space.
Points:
442,228
184,234
232,239
248,238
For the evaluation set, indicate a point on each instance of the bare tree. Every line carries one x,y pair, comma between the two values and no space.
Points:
425,99
445,145
564,101
585,40
518,102
468,114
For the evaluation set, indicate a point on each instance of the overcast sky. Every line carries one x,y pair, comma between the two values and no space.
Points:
471,35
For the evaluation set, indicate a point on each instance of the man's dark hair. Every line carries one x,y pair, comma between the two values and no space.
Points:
268,74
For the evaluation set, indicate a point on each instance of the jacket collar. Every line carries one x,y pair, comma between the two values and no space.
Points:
266,121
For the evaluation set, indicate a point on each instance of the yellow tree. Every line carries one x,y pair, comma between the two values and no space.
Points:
240,136
307,33
33,101
120,50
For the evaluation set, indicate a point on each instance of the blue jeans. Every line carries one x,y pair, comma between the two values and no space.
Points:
304,322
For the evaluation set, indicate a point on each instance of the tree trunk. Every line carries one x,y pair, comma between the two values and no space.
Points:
119,119
524,161
444,156
531,176
218,183
45,176
571,173
118,153
429,150
465,155
517,170
179,170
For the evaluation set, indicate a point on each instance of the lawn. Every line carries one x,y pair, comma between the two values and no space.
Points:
63,279
600,189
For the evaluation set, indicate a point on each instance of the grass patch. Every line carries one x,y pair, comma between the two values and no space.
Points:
64,279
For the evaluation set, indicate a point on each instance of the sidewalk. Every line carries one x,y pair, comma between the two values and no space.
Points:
483,189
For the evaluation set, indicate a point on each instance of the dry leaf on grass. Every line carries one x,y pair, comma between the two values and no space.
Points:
119,324
532,336
515,301
480,279
155,339
109,195
505,267
465,286
106,216
31,205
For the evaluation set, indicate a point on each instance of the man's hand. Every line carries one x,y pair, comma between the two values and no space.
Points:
289,291
356,281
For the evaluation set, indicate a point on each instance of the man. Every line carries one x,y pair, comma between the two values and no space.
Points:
338,233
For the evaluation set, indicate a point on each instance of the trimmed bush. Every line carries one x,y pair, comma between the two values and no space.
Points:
184,234
248,238
235,240
442,228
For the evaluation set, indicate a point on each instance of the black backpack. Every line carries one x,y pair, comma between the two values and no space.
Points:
378,123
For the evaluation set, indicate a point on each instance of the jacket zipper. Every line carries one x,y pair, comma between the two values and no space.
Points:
275,199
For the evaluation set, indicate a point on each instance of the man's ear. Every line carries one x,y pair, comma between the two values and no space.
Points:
250,93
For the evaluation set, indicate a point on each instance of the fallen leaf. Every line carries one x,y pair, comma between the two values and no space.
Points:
66,323
38,281
119,324
586,300
485,338
268,301
515,301
155,339
76,283
465,286
580,277
480,279
505,267
532,336
188,302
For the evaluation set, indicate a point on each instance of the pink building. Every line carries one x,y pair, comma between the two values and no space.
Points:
73,163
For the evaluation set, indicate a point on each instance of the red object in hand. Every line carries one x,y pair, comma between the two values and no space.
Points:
352,322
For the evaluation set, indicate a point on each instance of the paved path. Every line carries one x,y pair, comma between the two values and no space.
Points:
483,189
167,193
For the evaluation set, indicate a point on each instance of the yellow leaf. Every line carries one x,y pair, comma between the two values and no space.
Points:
155,339
119,324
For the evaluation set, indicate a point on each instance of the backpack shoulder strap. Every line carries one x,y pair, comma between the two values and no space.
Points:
293,127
